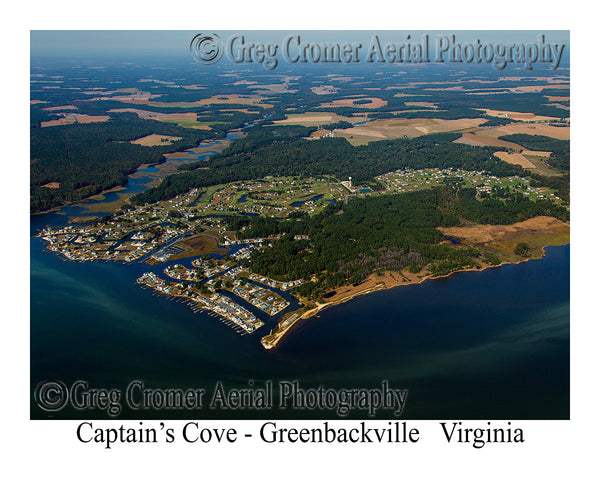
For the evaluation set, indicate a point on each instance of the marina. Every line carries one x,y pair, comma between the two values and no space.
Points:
224,308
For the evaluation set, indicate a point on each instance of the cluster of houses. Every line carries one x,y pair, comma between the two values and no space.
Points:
209,270
404,180
217,303
266,300
274,283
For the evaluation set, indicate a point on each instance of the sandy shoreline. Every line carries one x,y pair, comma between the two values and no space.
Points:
270,341
273,339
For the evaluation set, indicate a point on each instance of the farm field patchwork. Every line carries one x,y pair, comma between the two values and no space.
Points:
398,128
315,119
358,102
515,159
70,118
560,133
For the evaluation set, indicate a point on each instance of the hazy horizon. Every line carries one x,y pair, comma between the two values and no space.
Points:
175,43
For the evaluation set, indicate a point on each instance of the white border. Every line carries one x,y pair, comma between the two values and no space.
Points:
552,450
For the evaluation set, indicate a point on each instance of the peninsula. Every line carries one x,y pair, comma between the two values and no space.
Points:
265,202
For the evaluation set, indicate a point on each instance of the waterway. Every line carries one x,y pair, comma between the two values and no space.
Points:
302,202
490,345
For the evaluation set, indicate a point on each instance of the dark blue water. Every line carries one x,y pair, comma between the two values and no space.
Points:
453,240
302,202
196,200
491,344
135,184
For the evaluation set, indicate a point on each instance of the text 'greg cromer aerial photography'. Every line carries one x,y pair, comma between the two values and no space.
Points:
300,225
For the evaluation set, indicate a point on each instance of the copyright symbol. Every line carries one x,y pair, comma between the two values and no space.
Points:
51,396
206,48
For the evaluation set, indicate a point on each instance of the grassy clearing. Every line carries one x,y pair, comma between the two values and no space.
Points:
541,166
109,206
199,245
501,240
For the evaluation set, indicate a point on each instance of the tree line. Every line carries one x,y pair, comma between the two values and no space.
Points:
88,158
348,242
561,149
262,153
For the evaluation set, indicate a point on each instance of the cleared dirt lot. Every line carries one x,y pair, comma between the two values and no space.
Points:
67,119
527,117
218,100
349,102
273,88
420,104
163,117
324,90
560,133
398,128
515,159
481,140
154,140
538,88
314,119
188,120
536,153
59,108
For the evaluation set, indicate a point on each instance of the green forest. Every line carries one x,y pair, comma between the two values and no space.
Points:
348,242
561,150
88,158
265,152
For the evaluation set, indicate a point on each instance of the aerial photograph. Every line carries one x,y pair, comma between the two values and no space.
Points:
282,224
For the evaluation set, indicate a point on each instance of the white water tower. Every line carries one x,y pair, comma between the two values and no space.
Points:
350,181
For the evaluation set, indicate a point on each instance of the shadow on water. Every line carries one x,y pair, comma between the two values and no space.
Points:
491,344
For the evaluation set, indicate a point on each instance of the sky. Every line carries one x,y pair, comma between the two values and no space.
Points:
125,43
